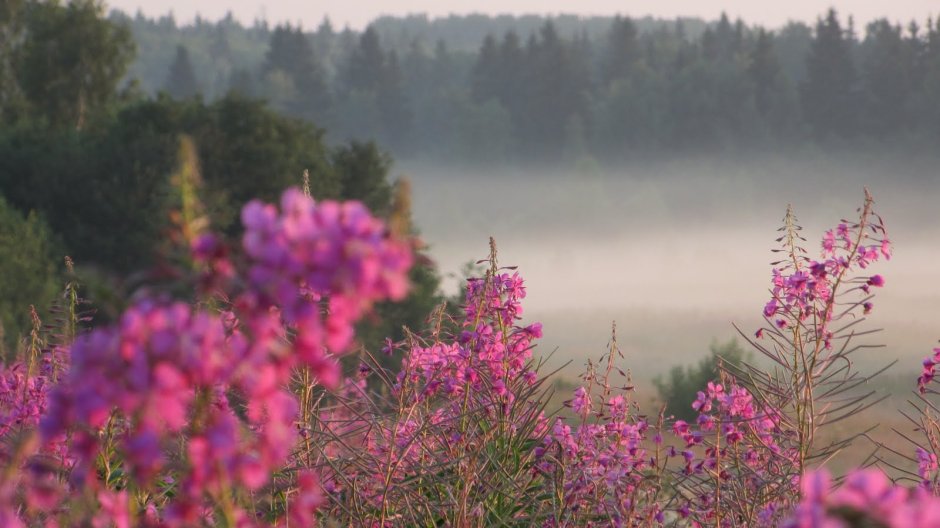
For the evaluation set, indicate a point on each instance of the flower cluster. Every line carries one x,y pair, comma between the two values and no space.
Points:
454,393
608,470
332,252
25,387
738,448
929,371
925,454
163,373
865,498
804,290
490,351
194,408
23,399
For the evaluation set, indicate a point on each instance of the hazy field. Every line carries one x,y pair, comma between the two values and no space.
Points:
676,251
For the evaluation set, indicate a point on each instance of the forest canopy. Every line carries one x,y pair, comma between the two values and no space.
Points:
533,88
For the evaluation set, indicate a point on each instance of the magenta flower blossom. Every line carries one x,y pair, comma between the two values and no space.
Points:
154,390
804,290
929,371
866,497
581,403
309,255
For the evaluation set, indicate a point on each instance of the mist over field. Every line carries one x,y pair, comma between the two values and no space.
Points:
676,251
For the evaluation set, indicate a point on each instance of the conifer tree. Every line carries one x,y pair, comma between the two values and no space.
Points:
829,95
623,50
291,59
181,80
764,71
887,73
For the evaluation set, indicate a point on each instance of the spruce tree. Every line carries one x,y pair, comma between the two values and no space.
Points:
623,50
181,79
484,77
887,74
291,59
829,95
367,63
764,72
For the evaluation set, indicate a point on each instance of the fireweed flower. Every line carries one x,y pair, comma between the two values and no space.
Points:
165,373
866,497
609,473
736,443
803,290
159,373
925,454
581,403
929,371
454,392
196,406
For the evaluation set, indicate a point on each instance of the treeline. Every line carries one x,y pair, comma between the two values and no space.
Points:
579,92
87,163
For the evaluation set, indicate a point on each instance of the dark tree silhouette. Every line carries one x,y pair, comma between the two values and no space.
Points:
181,80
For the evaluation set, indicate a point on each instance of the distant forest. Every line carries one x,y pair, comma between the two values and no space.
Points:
478,88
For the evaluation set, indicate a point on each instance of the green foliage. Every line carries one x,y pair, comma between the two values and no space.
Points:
104,189
248,151
101,190
681,387
70,60
29,254
363,170
11,28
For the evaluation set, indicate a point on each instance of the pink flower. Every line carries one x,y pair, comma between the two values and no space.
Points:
581,403
886,249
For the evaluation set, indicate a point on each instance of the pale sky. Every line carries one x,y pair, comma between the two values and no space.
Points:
357,13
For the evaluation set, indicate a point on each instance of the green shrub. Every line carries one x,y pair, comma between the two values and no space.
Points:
28,257
680,389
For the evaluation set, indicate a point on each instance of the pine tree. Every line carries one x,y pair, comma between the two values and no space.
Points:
764,72
928,75
511,76
623,50
484,77
829,95
290,59
181,80
324,38
556,88
367,63
393,105
887,74
373,73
